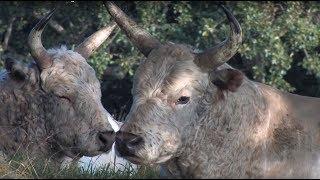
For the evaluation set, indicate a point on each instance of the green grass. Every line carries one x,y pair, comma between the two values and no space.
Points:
24,167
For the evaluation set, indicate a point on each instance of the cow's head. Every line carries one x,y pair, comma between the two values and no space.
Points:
79,123
169,88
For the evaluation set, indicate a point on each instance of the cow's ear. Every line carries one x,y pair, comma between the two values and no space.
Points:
16,69
227,79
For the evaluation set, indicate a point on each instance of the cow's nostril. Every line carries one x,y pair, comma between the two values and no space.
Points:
106,137
127,143
102,139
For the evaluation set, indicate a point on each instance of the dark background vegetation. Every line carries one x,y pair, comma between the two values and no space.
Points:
281,39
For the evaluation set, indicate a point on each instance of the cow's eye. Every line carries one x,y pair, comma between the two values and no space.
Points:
183,100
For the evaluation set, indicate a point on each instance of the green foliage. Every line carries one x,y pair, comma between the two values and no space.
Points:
273,35
273,32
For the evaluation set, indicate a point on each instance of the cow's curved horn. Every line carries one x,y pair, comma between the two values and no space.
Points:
93,42
38,52
222,52
138,36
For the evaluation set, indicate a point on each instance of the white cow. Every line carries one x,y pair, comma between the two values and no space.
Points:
198,117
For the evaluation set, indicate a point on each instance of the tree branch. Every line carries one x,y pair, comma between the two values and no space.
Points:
8,33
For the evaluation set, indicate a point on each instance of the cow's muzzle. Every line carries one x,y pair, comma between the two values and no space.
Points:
127,143
106,139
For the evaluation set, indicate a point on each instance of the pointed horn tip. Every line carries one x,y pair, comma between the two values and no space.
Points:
43,22
140,38
93,42
112,8
223,7
108,3
227,12
232,19
38,52
111,26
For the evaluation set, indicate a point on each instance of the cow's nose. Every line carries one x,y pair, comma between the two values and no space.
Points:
106,138
126,143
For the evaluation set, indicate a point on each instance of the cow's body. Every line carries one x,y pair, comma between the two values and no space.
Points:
277,135
201,118
24,110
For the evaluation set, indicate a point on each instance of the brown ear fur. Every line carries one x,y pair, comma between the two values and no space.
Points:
16,69
227,79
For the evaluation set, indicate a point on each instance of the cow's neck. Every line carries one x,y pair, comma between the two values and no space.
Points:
293,134
24,113
256,126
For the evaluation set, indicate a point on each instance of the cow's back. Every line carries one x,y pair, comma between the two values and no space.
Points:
21,121
292,143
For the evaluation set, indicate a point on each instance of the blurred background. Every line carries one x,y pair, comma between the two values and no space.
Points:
281,39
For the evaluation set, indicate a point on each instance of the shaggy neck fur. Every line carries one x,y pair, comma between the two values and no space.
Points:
23,117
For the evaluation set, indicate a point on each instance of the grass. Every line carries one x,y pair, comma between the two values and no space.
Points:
23,167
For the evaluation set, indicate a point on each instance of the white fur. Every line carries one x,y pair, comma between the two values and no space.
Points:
95,163
115,162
